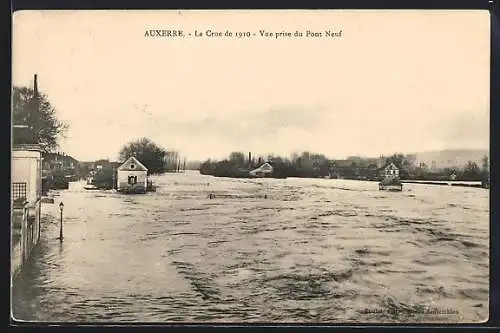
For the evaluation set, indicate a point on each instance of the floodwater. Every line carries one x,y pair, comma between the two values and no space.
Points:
263,250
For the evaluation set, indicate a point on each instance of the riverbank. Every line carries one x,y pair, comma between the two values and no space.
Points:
476,184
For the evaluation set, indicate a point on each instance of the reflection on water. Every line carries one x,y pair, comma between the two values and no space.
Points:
316,250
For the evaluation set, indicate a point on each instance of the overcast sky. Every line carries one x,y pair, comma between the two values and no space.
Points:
395,81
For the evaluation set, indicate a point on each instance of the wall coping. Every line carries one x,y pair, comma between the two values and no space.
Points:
28,147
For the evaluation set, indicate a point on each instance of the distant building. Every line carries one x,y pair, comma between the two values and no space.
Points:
264,170
132,176
390,171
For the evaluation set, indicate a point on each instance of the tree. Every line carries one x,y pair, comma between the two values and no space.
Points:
105,178
485,172
171,160
471,171
48,127
237,158
485,164
148,153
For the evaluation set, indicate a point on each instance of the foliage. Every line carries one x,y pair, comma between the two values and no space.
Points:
105,177
155,158
46,124
237,158
238,165
58,180
471,171
310,165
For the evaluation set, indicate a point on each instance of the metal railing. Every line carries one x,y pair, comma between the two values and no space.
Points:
19,192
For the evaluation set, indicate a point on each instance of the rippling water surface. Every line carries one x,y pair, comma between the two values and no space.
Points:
313,250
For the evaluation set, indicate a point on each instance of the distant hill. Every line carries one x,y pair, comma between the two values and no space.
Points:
450,157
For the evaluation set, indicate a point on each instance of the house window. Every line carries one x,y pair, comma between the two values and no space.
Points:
132,180
132,166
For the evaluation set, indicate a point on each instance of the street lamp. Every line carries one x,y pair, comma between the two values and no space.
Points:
61,207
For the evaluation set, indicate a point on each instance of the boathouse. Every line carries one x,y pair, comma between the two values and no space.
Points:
264,170
132,176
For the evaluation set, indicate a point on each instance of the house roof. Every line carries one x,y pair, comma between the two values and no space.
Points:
132,164
389,166
266,167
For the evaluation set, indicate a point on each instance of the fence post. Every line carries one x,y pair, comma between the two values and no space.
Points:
24,225
39,220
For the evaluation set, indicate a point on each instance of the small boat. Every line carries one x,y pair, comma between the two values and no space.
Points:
390,184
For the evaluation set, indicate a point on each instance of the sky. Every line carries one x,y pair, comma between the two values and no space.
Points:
404,81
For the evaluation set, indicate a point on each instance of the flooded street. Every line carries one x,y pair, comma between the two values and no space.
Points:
314,250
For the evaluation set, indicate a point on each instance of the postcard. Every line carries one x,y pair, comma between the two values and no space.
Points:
250,166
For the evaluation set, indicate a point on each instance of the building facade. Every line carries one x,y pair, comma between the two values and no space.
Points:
132,176
390,171
26,187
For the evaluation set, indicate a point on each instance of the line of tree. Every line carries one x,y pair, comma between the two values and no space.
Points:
238,165
313,165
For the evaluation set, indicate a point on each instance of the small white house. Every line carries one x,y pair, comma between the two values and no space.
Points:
264,170
391,171
132,176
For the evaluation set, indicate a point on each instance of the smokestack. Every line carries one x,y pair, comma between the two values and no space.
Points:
35,112
250,159
35,86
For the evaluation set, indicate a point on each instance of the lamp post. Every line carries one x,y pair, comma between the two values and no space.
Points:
61,207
